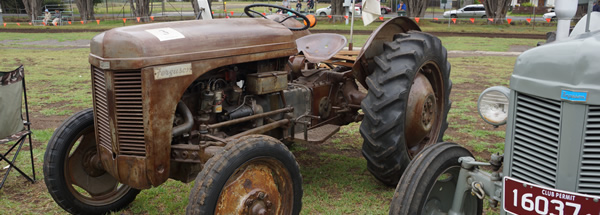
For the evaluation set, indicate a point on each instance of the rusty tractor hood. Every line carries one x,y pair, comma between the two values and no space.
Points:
139,46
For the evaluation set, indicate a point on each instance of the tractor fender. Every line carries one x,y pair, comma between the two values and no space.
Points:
363,65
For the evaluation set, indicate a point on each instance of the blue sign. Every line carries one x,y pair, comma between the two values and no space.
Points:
573,96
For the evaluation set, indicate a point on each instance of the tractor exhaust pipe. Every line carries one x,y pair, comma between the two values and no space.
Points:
565,11
187,120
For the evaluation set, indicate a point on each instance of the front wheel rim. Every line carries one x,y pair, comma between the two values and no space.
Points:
259,186
444,189
84,176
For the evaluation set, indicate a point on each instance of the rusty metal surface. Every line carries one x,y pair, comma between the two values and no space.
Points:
420,111
363,66
352,94
139,46
317,135
266,82
186,153
260,186
425,106
248,118
320,47
335,96
159,104
262,129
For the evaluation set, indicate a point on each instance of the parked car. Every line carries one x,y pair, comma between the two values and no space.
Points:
551,15
384,9
473,10
327,11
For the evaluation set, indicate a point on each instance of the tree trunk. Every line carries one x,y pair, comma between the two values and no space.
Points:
416,8
496,9
1,20
90,9
337,9
33,8
196,7
140,8
86,10
581,11
82,9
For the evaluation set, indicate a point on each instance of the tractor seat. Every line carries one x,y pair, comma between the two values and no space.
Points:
320,47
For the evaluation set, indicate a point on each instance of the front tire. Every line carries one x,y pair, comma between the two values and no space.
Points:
430,181
71,171
407,103
255,174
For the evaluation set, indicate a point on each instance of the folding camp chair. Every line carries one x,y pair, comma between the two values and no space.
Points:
12,126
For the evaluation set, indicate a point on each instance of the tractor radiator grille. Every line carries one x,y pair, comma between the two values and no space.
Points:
535,152
129,113
101,108
589,176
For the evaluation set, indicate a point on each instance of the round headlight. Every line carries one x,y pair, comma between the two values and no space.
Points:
493,105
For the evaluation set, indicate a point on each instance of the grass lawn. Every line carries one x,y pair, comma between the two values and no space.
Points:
336,180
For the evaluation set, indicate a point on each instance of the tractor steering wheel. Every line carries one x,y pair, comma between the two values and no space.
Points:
248,10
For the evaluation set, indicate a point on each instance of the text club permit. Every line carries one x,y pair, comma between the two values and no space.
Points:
520,197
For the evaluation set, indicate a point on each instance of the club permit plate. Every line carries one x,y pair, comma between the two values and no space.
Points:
163,72
165,34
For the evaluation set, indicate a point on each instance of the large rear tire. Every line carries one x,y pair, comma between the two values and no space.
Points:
429,183
407,103
256,174
73,173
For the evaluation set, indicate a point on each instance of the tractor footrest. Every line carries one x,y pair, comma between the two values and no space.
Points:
318,134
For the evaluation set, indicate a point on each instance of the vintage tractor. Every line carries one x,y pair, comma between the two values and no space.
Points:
215,100
551,162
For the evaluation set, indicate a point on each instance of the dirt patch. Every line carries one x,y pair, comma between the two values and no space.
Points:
519,48
79,43
73,44
453,54
40,122
41,30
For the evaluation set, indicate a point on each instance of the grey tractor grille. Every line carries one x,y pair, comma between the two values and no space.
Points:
589,177
101,108
128,112
536,136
